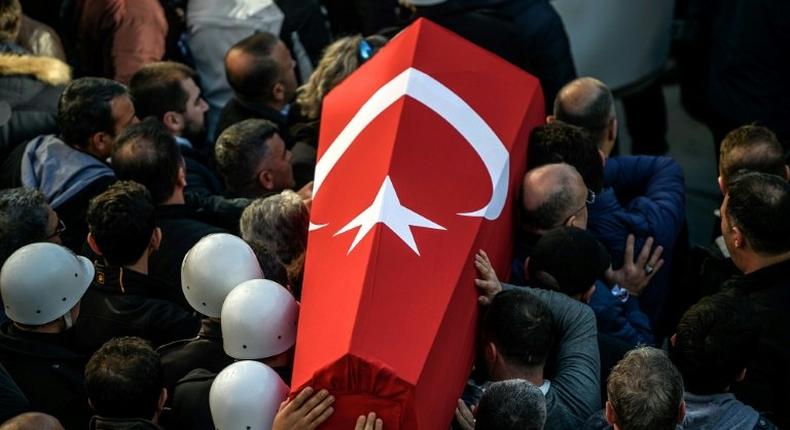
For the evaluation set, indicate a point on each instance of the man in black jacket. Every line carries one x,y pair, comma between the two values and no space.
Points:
148,154
42,284
756,231
123,300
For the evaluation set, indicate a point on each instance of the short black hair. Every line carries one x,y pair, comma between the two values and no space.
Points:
239,151
715,340
271,266
121,221
24,217
124,379
514,404
10,20
565,143
521,327
594,116
759,205
85,108
148,154
157,89
751,147
263,71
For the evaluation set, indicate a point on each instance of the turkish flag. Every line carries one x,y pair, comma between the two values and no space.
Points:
421,156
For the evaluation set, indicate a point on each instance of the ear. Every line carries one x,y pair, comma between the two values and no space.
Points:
681,411
182,176
156,239
611,416
100,144
526,268
93,245
673,340
588,295
266,179
741,375
787,172
551,119
603,157
90,403
173,121
737,237
490,353
162,399
611,134
278,92
722,188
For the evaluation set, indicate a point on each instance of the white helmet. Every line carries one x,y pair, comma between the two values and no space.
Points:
41,282
216,264
246,395
258,320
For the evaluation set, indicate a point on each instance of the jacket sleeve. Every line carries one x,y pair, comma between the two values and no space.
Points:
139,38
625,321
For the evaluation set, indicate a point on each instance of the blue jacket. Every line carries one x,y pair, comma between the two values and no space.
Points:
645,196
623,320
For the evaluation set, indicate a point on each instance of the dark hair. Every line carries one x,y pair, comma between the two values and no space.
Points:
24,218
239,151
124,379
85,108
271,266
759,205
751,147
147,153
10,20
594,115
520,325
121,221
514,404
565,143
157,89
715,340
256,80
645,390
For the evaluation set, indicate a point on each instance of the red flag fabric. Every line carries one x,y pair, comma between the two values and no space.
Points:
421,155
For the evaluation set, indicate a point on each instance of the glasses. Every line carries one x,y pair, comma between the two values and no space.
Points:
587,202
58,230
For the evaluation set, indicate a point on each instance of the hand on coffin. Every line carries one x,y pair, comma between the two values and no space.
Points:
488,284
635,275
464,416
305,412
369,422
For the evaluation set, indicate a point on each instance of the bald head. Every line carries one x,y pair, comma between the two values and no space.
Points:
553,195
259,68
32,421
588,103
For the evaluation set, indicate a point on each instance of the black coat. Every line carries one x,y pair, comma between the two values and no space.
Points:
29,91
101,423
49,373
181,230
122,302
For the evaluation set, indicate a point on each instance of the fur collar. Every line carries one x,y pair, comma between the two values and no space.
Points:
48,70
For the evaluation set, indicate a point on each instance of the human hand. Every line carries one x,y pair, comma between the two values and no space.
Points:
464,416
635,275
306,192
488,284
369,422
305,412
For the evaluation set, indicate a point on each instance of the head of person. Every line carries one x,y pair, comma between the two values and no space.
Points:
568,260
246,394
42,284
340,59
148,154
92,112
168,91
122,225
565,143
124,379
10,20
25,217
754,220
645,391
517,334
588,103
260,69
754,148
714,341
270,264
554,195
280,222
253,160
514,404
32,421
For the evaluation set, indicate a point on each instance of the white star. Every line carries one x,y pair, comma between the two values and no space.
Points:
386,209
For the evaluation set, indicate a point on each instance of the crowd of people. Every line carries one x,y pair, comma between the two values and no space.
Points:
155,190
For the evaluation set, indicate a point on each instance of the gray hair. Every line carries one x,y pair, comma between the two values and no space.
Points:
514,404
24,216
645,390
279,222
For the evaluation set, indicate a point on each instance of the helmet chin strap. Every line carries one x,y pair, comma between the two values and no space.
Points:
67,319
